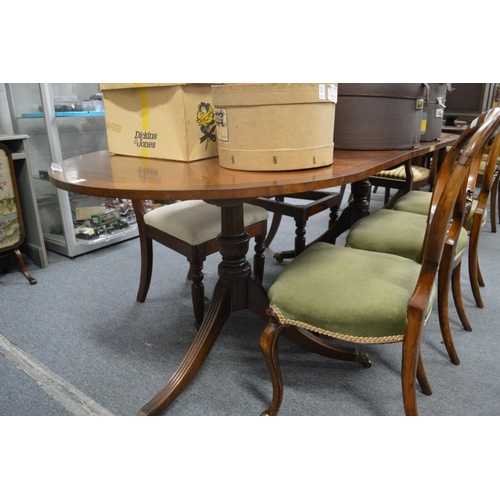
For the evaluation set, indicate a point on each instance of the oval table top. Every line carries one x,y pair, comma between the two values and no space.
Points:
107,175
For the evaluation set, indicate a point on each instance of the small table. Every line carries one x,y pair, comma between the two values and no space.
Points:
104,175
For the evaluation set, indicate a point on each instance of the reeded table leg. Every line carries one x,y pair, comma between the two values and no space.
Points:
203,342
235,290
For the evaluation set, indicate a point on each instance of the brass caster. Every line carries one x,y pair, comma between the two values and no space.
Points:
364,360
278,257
265,413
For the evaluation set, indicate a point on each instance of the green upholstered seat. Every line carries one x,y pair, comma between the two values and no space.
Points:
418,202
395,232
348,294
374,296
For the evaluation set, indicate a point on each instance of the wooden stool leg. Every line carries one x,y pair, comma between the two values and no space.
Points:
20,261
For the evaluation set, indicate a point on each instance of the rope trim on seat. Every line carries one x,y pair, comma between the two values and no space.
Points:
339,336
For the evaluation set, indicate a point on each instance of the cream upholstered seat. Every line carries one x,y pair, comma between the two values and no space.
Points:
419,173
196,221
406,178
361,297
191,228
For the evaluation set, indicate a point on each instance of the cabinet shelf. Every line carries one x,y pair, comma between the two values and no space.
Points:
64,113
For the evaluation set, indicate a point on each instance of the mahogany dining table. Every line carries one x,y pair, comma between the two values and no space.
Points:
103,174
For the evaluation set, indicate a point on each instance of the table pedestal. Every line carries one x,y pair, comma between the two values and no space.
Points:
236,289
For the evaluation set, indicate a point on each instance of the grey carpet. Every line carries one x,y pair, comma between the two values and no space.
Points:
81,325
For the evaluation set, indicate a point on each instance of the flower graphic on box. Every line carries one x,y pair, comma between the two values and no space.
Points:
205,118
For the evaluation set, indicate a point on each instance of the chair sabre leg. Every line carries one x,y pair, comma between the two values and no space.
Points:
456,289
443,314
146,267
480,276
474,273
422,377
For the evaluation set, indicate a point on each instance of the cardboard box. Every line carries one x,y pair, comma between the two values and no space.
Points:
160,120
275,126
85,213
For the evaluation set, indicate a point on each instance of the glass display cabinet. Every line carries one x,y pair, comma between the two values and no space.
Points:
63,120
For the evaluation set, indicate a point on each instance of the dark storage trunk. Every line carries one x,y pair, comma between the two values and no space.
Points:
377,116
433,113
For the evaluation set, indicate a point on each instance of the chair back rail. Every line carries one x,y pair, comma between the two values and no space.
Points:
447,213
470,145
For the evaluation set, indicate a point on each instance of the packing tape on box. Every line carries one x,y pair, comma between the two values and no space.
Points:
143,97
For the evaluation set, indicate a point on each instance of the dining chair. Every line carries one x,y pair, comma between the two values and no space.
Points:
402,233
12,232
407,177
364,297
418,202
315,202
494,193
191,228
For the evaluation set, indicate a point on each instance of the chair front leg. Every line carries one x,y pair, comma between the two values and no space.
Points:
269,346
456,289
422,377
259,258
412,369
197,291
495,200
146,266
146,245
444,284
